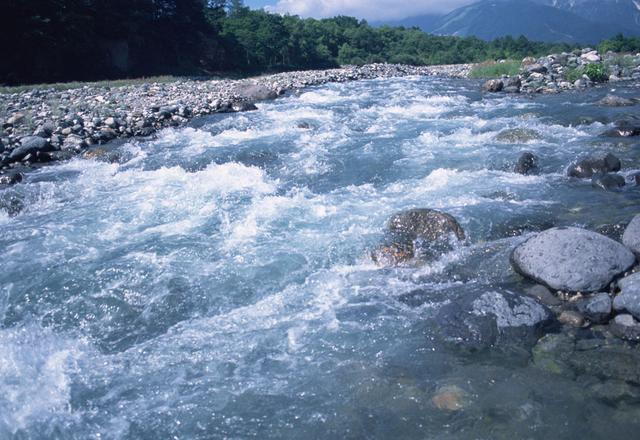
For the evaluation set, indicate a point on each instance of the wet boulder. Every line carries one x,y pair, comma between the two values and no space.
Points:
629,297
527,164
426,224
243,106
596,308
10,178
623,131
482,321
517,136
587,167
417,233
493,86
255,92
30,145
608,182
631,236
572,259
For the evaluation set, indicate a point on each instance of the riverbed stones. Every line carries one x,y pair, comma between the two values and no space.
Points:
527,164
543,295
571,318
450,398
587,167
629,297
572,259
608,182
631,236
626,327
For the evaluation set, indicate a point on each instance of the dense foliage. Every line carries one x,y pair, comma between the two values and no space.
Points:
620,44
60,40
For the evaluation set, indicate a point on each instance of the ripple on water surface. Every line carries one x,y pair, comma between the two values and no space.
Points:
217,282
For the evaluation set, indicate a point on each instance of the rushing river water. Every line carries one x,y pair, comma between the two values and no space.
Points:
216,282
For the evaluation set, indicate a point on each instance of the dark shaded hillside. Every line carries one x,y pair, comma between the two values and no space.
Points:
63,40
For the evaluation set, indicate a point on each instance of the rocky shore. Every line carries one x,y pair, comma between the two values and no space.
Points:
568,71
44,125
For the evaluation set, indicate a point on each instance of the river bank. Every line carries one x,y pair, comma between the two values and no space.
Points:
43,125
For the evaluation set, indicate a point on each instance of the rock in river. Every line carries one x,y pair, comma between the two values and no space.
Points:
631,236
493,86
572,259
597,308
589,166
478,323
527,164
615,101
629,297
30,145
608,182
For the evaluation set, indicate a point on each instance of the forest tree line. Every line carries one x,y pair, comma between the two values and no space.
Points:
64,40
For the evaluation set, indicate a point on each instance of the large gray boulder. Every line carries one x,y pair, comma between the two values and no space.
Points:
631,236
30,145
572,259
629,297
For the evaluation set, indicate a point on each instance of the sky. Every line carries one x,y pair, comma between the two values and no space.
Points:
368,9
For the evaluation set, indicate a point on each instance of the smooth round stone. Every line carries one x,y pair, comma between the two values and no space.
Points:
631,236
572,259
629,297
571,318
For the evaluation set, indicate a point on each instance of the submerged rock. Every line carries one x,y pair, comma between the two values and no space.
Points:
629,297
527,164
517,135
450,398
589,166
393,254
631,236
625,131
615,101
491,318
626,327
572,259
543,295
571,318
608,182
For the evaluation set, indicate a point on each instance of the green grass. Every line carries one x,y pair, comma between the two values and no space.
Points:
493,69
77,85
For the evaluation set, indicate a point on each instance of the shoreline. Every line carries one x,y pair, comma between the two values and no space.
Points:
48,125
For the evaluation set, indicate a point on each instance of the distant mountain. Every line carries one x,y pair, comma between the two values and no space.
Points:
572,21
489,19
425,22
623,13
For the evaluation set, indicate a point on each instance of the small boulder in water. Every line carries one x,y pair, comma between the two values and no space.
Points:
622,132
244,106
517,136
527,164
572,259
608,182
626,327
589,166
10,178
631,236
417,233
615,101
493,86
597,308
629,297
256,92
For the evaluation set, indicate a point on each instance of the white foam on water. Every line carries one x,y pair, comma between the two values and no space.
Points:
36,366
327,96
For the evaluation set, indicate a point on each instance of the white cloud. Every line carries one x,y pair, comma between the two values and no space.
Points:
368,9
